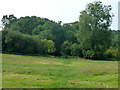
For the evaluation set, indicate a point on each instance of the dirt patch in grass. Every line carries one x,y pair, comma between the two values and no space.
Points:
50,63
13,75
88,82
88,72
35,78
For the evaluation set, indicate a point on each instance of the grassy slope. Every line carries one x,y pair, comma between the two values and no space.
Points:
48,72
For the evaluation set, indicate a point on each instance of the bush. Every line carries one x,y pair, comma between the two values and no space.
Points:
88,54
66,48
48,46
17,42
112,53
75,50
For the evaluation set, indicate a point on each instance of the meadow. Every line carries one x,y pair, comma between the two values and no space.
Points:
22,71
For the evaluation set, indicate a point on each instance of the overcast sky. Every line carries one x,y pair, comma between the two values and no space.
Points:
58,10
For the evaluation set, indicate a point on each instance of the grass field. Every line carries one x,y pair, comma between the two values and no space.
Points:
53,72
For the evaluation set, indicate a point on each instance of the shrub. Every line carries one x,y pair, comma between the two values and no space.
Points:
75,50
17,42
112,53
66,48
48,46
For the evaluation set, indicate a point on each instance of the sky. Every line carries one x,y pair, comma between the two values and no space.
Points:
57,10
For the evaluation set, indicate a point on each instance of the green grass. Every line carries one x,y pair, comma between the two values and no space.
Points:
53,72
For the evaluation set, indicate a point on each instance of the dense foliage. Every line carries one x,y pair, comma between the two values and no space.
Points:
90,37
25,44
94,34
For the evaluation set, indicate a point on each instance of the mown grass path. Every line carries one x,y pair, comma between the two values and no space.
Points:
53,72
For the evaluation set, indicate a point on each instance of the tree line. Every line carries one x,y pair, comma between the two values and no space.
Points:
89,37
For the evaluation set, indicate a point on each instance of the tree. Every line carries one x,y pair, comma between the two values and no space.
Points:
37,30
13,41
94,34
70,33
76,50
28,25
7,20
66,48
46,34
112,52
48,46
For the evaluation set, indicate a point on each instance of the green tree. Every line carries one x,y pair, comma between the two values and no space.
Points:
48,46
76,50
28,25
94,34
70,31
112,52
46,34
66,48
37,30
13,41
7,20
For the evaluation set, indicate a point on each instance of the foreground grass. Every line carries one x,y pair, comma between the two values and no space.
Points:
50,72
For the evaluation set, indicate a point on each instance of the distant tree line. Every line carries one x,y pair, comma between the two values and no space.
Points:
90,37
